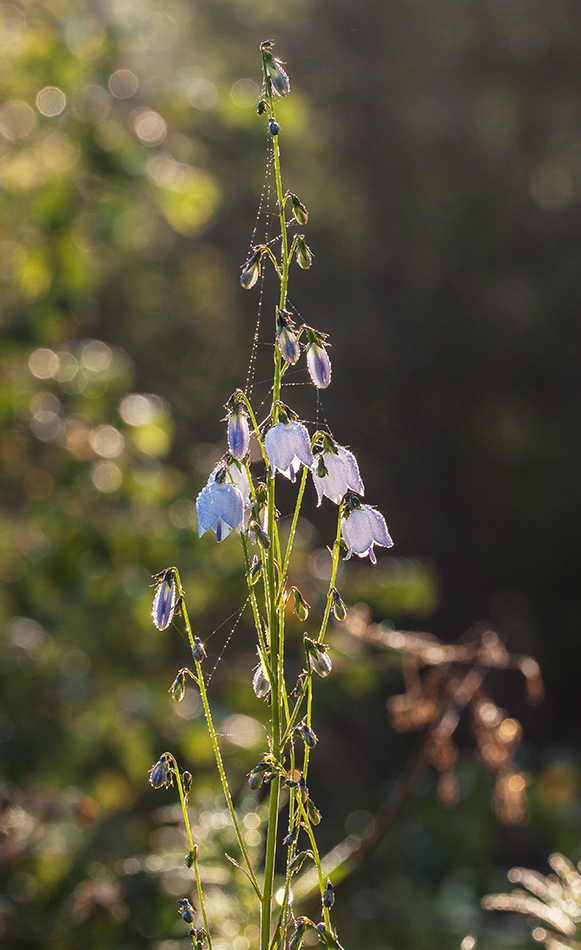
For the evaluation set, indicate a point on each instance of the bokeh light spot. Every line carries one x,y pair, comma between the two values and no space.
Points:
106,476
43,363
123,83
202,94
149,126
107,441
17,119
245,93
51,101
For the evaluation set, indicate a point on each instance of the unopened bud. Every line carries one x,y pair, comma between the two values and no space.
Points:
187,782
186,910
260,682
251,270
164,602
260,535
198,650
159,775
191,857
319,365
178,687
328,895
309,737
303,253
255,570
273,126
318,655
278,78
238,433
301,606
256,778
337,605
296,940
261,107
300,213
313,812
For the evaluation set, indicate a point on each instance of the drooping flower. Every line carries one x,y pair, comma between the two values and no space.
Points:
287,444
164,602
238,433
341,473
220,505
362,528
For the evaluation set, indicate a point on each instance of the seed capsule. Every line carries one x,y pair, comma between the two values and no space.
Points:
198,650
261,536
296,940
313,812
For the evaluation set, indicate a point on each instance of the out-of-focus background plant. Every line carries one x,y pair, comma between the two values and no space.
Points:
437,148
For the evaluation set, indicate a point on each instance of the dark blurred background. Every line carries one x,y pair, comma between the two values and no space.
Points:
438,150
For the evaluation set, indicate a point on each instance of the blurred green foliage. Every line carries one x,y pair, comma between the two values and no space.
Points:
437,149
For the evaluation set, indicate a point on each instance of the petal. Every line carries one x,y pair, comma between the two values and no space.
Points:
356,531
379,528
220,508
351,469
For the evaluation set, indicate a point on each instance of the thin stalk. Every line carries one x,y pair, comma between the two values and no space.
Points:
336,553
193,851
214,740
293,529
317,859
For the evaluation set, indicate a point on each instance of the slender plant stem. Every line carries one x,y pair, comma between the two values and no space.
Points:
336,553
193,850
214,740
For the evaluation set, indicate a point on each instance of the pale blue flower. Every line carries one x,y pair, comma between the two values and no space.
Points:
164,602
220,507
361,529
342,474
287,444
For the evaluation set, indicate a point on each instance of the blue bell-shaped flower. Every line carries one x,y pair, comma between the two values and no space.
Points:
220,505
287,444
362,528
342,474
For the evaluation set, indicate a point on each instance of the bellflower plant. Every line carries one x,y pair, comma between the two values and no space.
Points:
238,500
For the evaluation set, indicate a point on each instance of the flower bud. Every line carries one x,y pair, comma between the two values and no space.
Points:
198,650
260,535
186,910
187,782
319,365
328,895
301,606
261,107
178,687
238,433
313,812
303,253
200,938
296,940
299,859
273,126
251,270
260,682
337,605
318,656
256,778
278,77
164,602
309,737
159,775
191,857
292,835
300,213
255,571
287,341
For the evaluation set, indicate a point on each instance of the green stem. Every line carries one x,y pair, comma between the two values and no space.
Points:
293,529
317,859
336,553
193,851
214,740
